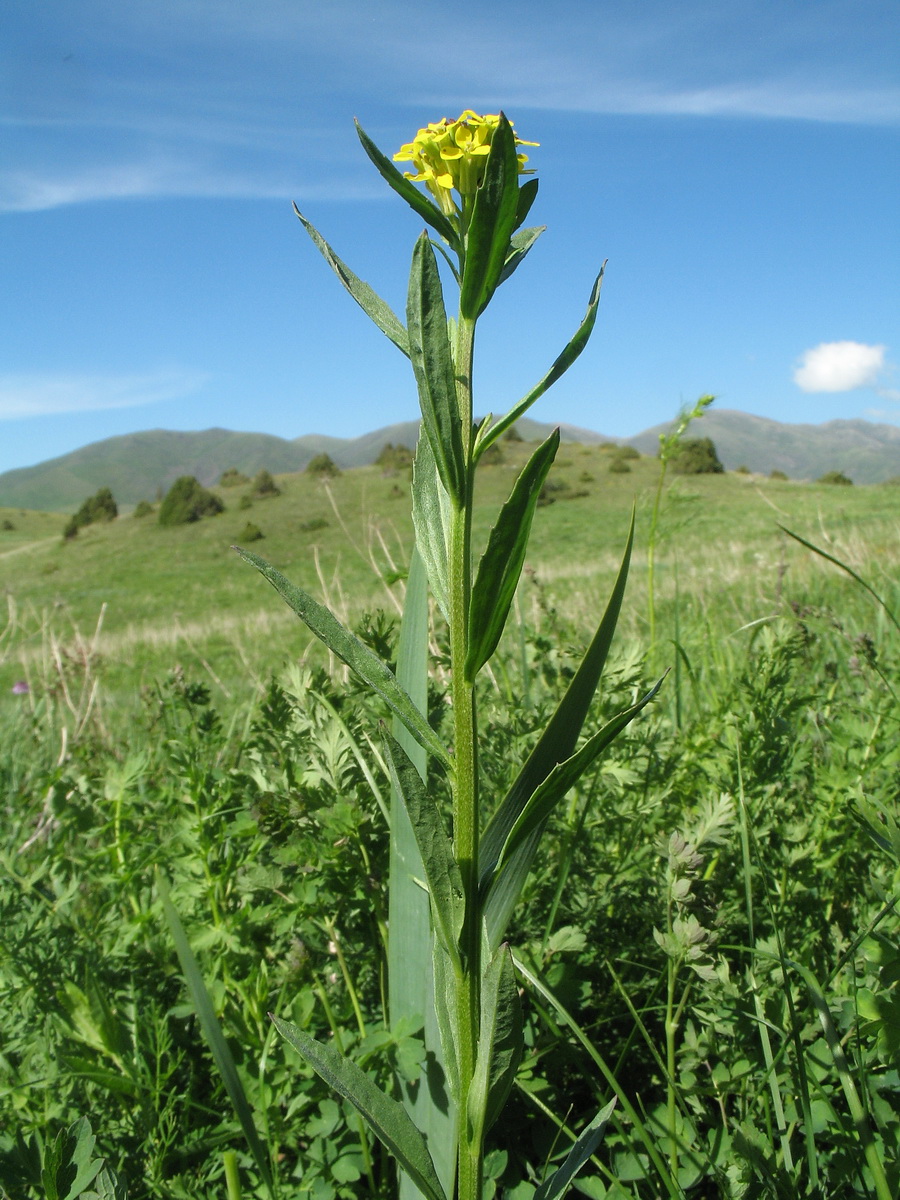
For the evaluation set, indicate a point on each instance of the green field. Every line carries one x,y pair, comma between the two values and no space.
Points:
712,927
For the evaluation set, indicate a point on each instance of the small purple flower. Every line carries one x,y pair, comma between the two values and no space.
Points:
20,688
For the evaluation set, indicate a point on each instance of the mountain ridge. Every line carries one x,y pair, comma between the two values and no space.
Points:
138,466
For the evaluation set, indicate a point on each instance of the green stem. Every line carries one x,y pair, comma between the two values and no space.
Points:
465,792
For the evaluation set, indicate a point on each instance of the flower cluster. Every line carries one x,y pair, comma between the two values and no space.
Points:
452,154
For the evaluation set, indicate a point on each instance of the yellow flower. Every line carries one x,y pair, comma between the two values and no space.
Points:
452,154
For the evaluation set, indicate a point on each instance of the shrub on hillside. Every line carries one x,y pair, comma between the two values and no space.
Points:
512,434
143,508
837,477
265,485
233,478
188,500
99,507
394,458
618,466
776,474
323,466
696,456
251,533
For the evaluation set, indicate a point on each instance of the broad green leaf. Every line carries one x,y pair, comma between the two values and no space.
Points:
212,1031
368,299
349,649
559,368
519,245
527,196
410,973
499,1043
441,869
417,200
501,564
587,1142
431,521
492,223
556,744
563,778
68,1165
387,1118
107,1186
432,362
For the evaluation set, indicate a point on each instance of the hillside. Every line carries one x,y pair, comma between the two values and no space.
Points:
141,465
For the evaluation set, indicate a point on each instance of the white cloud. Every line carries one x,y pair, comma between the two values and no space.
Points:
839,367
23,396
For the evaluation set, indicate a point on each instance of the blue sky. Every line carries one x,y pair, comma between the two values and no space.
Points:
738,164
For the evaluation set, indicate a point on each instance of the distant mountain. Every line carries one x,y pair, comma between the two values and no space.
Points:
139,465
866,452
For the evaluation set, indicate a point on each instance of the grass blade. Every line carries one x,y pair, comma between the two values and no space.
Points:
844,567
366,297
387,1118
588,1141
349,649
501,564
212,1031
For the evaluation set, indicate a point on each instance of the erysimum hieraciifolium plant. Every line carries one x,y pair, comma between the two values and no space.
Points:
475,204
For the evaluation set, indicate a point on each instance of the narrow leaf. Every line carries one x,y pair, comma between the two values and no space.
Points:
559,368
492,223
441,869
527,196
564,776
445,1008
417,200
365,296
432,362
519,245
212,1031
499,1043
587,1142
843,566
501,564
431,521
387,1118
349,649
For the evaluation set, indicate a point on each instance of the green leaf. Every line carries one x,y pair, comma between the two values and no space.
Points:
492,223
368,299
556,744
417,200
563,778
212,1031
431,521
587,1142
68,1165
349,649
387,1118
432,362
519,245
527,196
501,564
107,1186
559,368
441,869
499,1043
447,1014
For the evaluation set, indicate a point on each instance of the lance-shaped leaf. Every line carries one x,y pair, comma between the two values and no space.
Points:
365,296
557,1184
368,666
432,362
417,200
563,778
492,223
387,1118
441,869
519,245
431,521
499,1044
527,196
501,564
559,368
447,1013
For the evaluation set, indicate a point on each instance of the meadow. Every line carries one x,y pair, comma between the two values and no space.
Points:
711,939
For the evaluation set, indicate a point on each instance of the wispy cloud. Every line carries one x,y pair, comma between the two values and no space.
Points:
839,367
23,396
